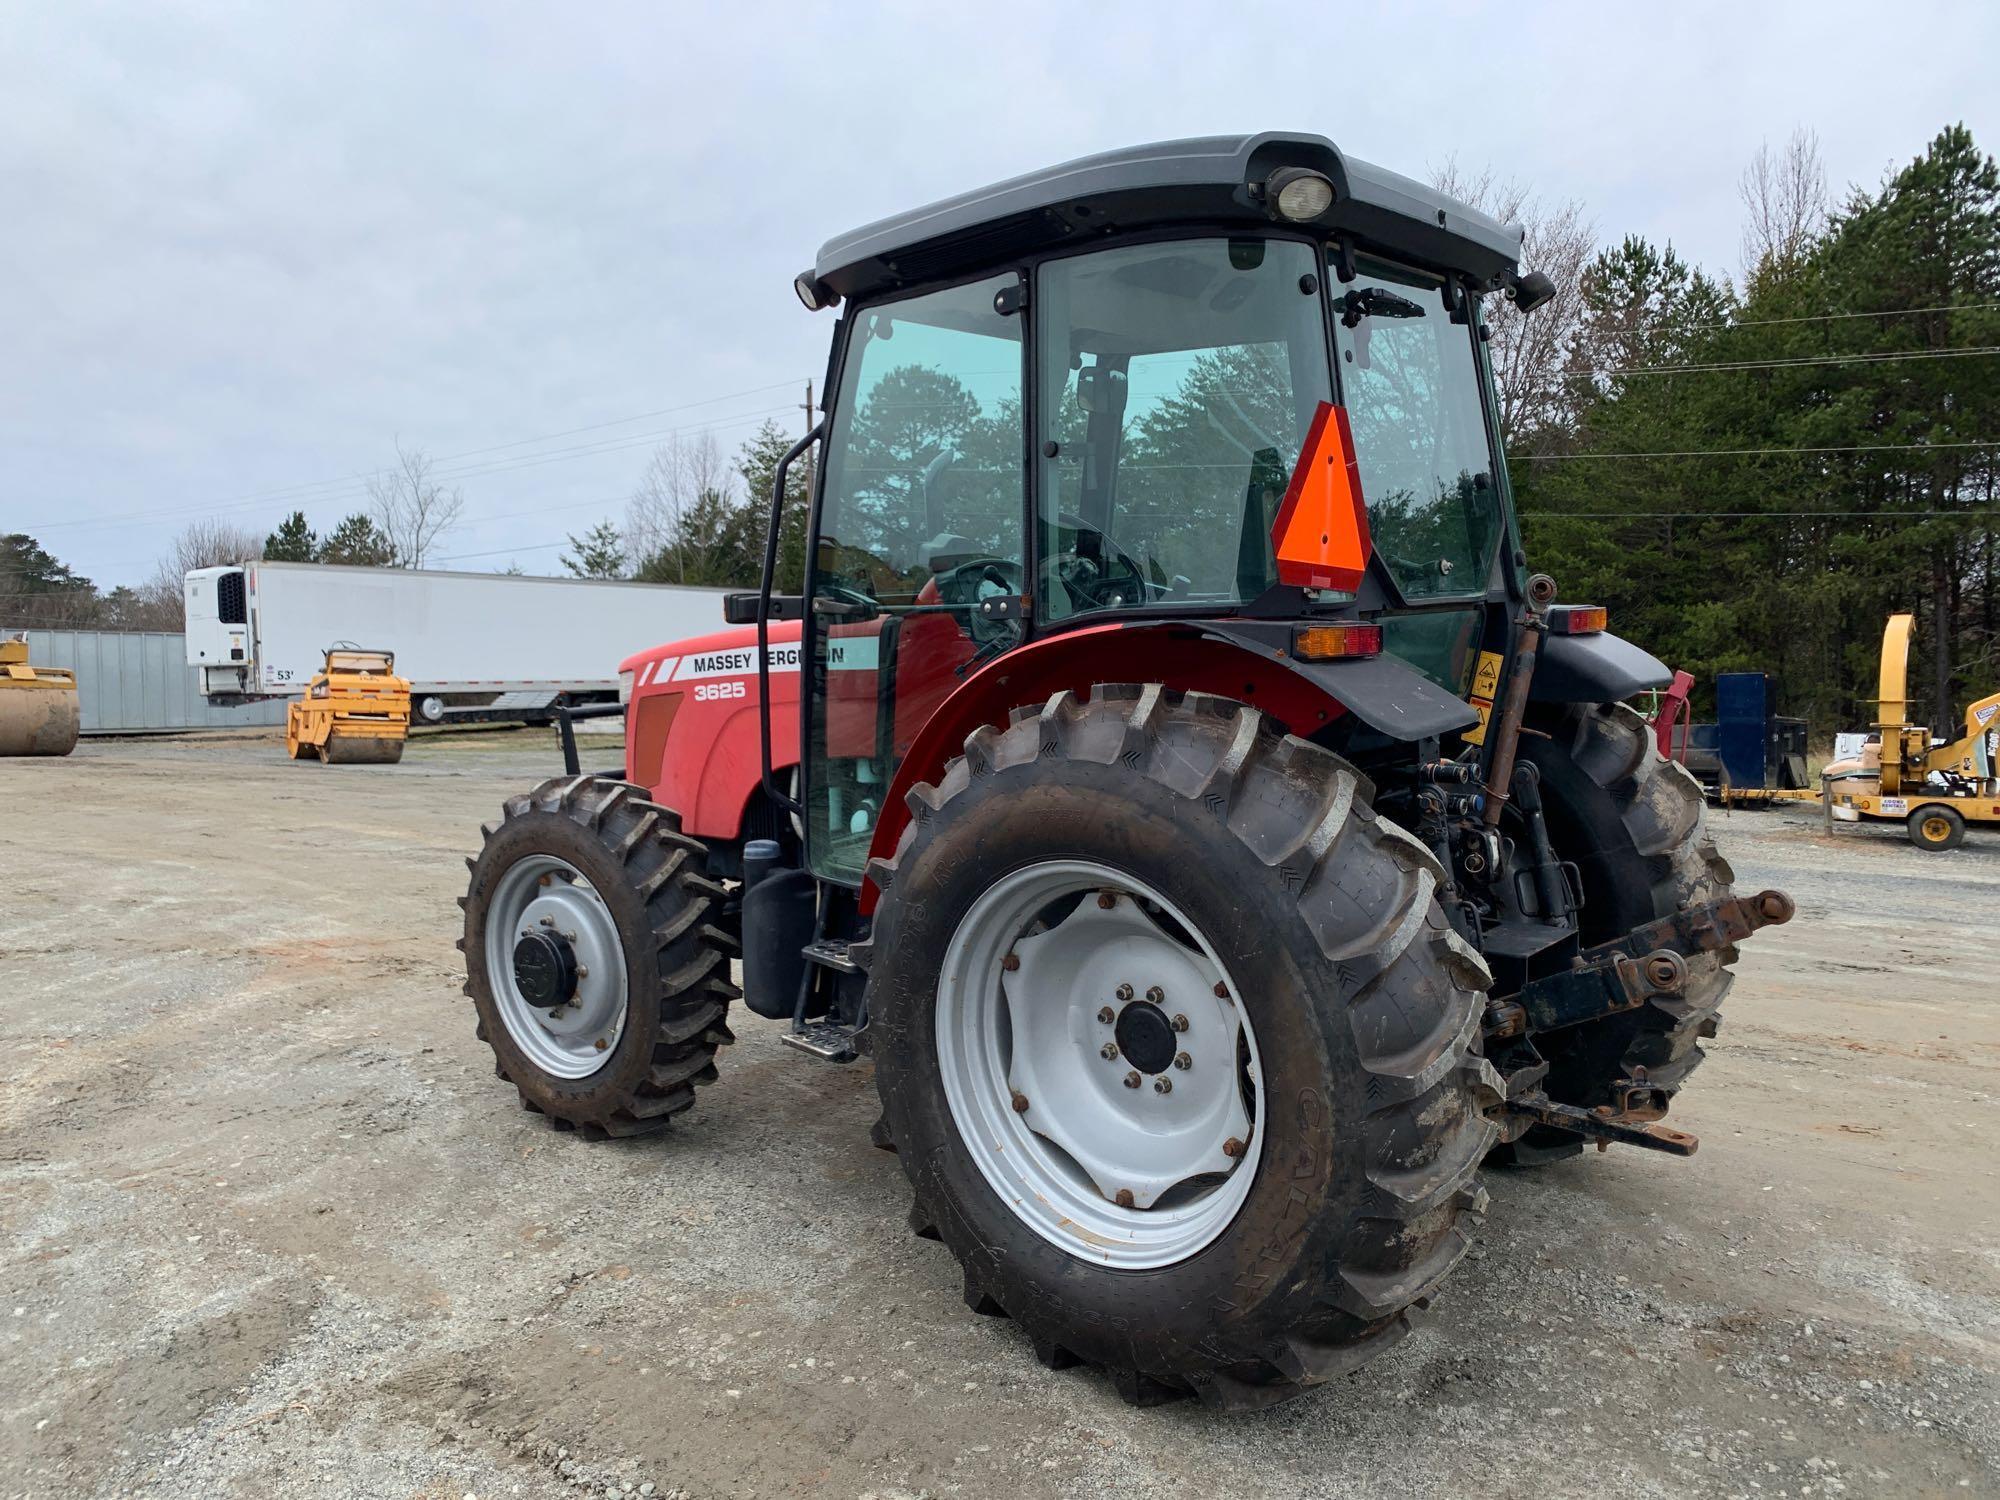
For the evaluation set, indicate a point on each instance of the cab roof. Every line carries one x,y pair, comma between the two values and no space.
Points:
1206,179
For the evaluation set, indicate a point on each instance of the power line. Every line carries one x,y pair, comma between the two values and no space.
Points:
1892,312
297,494
1747,515
521,442
1758,452
526,461
1782,364
502,551
644,416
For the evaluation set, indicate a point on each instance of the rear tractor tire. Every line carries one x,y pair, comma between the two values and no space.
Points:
1635,825
595,958
1176,1046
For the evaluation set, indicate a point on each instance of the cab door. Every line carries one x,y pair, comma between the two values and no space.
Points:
921,536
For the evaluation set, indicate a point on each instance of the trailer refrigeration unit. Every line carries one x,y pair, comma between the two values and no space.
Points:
474,646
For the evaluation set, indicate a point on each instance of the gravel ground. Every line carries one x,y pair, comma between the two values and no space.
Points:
268,1225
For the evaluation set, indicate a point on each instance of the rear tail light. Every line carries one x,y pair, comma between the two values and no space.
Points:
1577,619
1336,642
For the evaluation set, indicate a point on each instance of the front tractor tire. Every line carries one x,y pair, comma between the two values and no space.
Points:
595,957
1176,1046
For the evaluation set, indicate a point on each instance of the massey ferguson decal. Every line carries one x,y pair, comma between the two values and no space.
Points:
852,654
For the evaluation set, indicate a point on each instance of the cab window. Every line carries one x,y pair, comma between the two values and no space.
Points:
1176,384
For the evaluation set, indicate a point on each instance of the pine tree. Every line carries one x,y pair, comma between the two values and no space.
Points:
599,553
35,589
293,541
359,542
757,461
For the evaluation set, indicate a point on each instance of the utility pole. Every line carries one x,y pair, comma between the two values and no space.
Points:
812,455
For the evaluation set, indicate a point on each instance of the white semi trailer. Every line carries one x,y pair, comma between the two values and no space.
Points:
472,645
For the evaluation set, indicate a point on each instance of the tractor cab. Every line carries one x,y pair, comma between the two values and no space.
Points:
1078,401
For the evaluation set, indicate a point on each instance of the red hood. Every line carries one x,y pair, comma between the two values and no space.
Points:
719,640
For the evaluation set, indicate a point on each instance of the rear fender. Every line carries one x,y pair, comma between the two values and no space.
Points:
1594,669
1235,659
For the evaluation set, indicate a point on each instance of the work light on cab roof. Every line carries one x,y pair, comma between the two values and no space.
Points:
1168,771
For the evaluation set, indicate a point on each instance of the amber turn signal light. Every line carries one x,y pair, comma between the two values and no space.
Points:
1577,619
1336,642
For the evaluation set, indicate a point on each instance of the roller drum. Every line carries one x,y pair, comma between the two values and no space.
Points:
38,719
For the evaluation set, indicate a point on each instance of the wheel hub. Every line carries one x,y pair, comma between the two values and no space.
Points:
1146,1037
557,966
1099,1069
545,969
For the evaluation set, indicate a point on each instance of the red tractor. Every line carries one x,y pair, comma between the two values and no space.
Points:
1170,776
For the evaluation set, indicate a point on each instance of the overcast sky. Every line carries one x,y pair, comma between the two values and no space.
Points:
243,248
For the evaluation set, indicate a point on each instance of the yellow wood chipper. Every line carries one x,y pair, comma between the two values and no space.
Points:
356,711
1900,775
38,705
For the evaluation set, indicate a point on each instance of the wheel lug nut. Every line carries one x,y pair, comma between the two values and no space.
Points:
1108,1051
1011,962
600,1044
1156,994
1232,1147
1183,1061
1222,992
1132,1079
1106,1015
1124,1199
1163,1085
1106,900
1124,993
1180,1023
1020,1102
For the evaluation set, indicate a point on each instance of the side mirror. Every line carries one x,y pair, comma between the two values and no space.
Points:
1531,291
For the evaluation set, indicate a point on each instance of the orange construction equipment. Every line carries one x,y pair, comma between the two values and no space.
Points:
355,712
1934,790
38,705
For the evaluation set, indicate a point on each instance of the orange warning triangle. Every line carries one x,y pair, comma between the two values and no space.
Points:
1321,531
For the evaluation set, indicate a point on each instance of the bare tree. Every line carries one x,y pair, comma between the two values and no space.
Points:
1531,351
681,471
412,507
213,543
1784,201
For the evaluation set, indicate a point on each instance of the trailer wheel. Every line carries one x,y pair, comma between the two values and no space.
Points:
1177,1047
1936,826
595,965
1634,823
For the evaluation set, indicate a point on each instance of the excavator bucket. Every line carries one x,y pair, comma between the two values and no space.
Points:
38,705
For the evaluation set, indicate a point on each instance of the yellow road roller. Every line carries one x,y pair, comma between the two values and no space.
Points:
356,711
38,706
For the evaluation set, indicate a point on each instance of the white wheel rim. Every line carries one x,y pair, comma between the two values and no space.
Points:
576,1039
1131,1177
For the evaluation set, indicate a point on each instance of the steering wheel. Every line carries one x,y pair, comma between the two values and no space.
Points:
1116,580
976,579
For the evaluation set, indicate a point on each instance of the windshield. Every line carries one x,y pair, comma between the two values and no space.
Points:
1177,381
1412,392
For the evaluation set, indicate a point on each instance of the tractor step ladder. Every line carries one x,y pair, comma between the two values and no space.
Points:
825,1038
829,954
